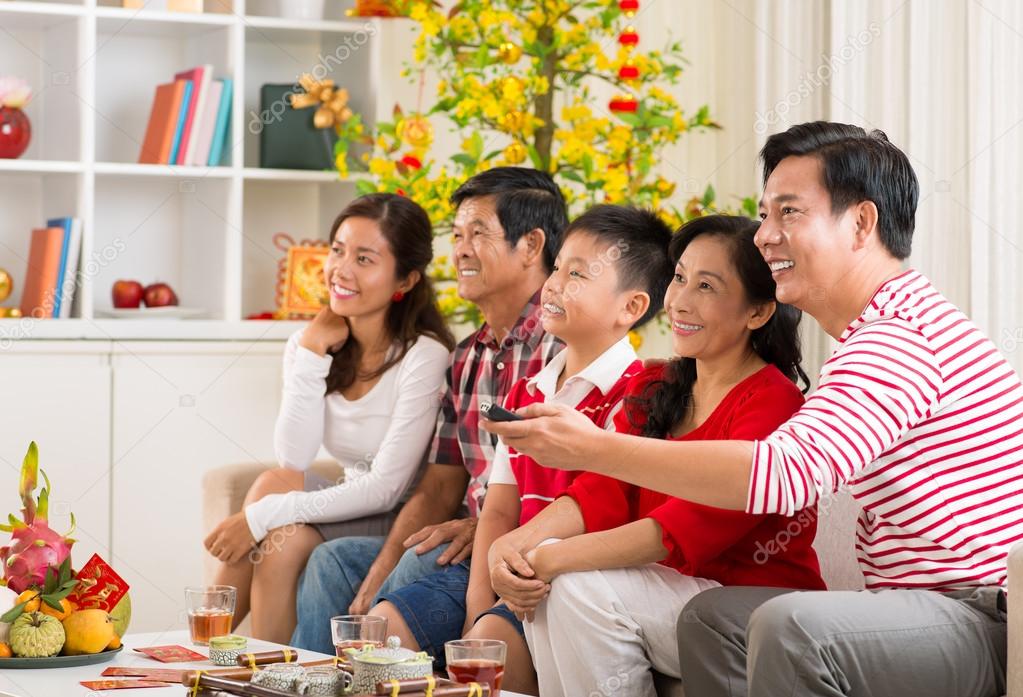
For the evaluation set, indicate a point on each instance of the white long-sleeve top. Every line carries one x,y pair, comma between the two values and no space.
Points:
379,439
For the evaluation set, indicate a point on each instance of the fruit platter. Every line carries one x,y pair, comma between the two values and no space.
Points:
57,616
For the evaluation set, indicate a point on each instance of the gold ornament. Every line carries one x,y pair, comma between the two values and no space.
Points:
509,52
331,103
6,285
515,153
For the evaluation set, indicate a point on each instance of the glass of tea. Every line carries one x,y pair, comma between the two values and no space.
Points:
477,660
357,631
210,611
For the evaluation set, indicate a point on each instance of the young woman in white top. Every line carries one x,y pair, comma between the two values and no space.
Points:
363,380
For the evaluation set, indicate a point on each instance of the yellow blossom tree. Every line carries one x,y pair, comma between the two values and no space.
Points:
520,84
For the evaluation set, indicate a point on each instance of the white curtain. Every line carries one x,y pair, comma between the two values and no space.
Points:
940,77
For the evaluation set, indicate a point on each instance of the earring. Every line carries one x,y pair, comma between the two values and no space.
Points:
397,297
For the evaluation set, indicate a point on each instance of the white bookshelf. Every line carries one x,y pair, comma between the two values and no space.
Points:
93,66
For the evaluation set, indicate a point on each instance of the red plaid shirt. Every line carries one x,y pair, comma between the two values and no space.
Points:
482,370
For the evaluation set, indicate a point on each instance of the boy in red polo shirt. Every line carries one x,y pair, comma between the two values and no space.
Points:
609,276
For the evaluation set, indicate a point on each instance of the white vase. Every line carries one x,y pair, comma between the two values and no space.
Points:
301,9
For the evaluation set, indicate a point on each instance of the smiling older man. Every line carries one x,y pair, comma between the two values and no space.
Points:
916,413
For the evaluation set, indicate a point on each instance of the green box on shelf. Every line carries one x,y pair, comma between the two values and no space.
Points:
288,139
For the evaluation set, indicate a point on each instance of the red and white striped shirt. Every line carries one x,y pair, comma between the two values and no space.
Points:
922,419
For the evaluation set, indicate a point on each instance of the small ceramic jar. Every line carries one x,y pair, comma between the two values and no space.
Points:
371,665
324,681
279,676
224,650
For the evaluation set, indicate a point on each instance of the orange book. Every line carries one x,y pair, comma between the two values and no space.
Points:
41,275
163,120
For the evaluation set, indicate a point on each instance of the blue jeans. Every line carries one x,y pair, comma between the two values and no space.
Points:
332,577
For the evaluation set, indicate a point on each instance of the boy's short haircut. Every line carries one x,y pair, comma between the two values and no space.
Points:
637,242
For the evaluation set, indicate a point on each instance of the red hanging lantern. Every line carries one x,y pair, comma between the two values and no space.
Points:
629,7
629,71
629,37
623,103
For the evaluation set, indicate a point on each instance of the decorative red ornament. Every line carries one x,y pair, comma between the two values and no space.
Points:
628,72
412,162
629,7
629,37
624,103
15,132
398,297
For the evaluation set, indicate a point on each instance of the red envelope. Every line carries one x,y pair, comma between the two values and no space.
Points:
172,654
172,675
99,586
120,684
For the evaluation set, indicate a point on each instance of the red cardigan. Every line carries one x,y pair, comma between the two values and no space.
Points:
733,548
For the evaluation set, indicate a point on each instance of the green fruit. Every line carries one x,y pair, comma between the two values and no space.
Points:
35,635
121,615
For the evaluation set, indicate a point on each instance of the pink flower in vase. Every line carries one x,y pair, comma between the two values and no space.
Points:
14,92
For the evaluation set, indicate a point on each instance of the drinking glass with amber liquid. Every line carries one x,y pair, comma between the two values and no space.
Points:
477,660
210,611
357,632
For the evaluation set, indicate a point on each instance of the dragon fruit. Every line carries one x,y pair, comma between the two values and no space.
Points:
35,547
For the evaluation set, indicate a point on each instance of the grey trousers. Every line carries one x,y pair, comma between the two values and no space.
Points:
772,642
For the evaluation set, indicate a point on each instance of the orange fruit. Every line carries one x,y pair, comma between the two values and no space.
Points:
33,604
5,651
62,615
115,643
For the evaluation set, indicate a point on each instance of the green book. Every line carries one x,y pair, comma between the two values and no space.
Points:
289,140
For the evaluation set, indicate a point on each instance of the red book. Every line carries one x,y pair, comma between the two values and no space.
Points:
42,273
163,119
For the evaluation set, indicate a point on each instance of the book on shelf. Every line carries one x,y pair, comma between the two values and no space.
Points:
163,122
180,125
206,124
42,271
219,142
67,277
200,77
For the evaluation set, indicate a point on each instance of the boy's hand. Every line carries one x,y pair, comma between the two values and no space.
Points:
555,435
459,533
522,595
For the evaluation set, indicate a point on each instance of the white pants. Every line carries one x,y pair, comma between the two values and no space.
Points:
599,633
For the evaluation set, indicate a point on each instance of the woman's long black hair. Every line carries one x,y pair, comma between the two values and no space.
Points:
666,402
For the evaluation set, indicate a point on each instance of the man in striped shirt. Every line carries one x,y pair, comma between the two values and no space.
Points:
916,413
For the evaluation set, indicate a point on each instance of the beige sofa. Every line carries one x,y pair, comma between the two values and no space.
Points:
224,489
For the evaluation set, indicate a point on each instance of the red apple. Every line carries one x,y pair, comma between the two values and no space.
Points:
127,294
159,295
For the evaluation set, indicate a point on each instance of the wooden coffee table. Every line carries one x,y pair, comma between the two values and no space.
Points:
64,682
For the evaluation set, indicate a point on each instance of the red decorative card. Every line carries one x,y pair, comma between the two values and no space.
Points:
119,684
171,675
99,586
171,654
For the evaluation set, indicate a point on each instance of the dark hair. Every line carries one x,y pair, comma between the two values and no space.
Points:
408,232
857,166
638,241
527,199
667,401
